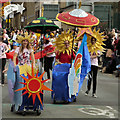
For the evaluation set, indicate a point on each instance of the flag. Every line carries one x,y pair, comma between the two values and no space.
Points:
80,67
86,62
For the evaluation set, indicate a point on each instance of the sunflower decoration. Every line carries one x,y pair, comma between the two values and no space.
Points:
25,37
98,46
60,40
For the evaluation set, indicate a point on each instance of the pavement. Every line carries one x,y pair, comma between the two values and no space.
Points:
104,106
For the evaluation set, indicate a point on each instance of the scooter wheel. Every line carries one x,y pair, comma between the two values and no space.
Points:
23,113
38,112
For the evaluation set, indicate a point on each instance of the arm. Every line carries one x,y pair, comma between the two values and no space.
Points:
33,59
50,52
14,58
5,50
93,56
58,61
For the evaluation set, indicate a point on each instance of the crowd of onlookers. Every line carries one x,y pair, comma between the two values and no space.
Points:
110,57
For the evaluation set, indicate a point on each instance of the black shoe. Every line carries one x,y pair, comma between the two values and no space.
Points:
86,93
117,75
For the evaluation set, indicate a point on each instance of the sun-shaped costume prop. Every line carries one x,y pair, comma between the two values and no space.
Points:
98,46
34,85
59,43
25,37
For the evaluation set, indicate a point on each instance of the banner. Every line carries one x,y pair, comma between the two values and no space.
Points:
80,67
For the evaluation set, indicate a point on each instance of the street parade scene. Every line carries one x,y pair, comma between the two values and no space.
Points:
59,59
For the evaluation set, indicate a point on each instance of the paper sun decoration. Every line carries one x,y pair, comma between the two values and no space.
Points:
98,46
34,85
59,43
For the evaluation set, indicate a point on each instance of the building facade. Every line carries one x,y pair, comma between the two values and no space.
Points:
107,12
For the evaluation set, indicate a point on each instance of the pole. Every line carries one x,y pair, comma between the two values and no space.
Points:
93,8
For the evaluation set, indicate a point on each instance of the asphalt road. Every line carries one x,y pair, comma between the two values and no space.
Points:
104,106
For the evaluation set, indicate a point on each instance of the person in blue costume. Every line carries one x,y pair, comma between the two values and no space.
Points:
60,71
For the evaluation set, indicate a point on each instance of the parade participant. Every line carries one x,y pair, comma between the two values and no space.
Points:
48,59
60,72
24,51
15,45
65,57
93,72
3,49
63,45
95,47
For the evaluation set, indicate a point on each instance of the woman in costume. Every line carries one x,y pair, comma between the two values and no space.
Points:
93,72
26,84
24,52
94,43
62,66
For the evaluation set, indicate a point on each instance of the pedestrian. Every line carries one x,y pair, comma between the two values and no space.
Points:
93,73
5,37
3,50
15,45
48,59
24,51
118,55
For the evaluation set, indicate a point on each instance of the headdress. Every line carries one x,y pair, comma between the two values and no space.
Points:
98,46
59,43
25,37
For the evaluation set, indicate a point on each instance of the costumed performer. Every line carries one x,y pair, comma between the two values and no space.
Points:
60,72
94,43
48,59
23,53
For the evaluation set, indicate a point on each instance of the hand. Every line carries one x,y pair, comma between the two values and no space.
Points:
49,53
3,53
14,69
59,63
